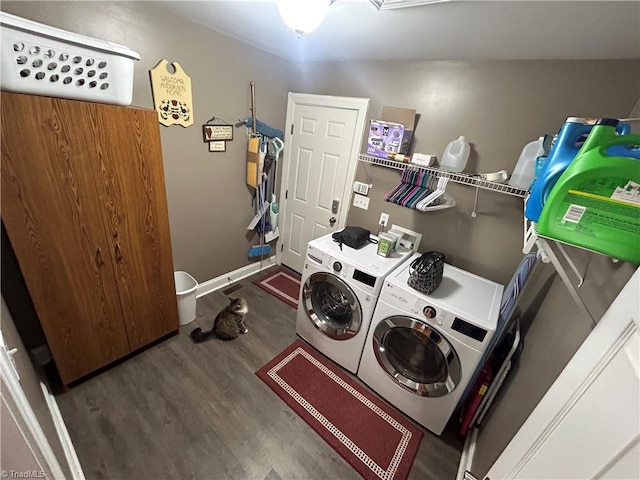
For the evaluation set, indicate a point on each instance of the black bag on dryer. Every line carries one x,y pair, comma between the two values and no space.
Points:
426,271
354,237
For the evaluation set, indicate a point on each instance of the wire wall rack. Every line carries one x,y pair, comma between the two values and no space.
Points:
462,178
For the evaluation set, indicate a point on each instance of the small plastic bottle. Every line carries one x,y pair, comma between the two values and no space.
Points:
455,156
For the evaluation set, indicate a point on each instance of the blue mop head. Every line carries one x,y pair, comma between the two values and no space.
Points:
264,129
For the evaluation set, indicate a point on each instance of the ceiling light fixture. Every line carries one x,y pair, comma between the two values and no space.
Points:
303,16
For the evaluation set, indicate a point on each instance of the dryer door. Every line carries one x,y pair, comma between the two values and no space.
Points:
416,356
332,306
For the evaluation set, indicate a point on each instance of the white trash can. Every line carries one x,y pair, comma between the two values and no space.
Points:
186,287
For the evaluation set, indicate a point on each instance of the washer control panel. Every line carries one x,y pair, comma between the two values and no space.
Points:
442,318
433,315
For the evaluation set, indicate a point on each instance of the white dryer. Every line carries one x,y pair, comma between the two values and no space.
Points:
338,293
422,350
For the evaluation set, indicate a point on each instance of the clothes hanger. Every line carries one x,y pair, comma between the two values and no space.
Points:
447,201
437,193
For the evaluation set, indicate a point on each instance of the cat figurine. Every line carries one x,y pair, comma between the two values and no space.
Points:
229,323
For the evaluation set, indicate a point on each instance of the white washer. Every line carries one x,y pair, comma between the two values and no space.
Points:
338,293
422,350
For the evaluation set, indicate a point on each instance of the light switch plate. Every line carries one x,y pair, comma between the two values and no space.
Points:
361,201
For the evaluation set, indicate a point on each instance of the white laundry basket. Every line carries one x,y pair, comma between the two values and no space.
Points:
44,60
186,287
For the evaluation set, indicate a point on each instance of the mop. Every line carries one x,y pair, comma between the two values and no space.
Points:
274,208
262,225
259,218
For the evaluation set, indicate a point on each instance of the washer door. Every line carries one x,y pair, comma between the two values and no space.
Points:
416,356
332,306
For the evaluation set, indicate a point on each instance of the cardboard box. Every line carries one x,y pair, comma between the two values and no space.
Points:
392,133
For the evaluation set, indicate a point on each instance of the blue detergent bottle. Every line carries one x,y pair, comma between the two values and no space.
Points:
570,138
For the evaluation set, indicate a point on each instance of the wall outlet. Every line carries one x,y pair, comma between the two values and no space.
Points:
361,201
384,219
361,188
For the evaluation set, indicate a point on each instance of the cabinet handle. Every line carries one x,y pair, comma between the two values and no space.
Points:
118,252
99,259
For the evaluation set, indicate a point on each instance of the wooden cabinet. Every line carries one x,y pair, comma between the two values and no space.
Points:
84,205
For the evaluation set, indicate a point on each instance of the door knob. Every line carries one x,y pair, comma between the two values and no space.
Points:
332,221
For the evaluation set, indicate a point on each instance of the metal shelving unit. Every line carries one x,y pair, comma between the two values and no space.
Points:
462,178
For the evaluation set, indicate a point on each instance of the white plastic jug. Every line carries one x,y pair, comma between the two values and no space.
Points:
455,156
525,168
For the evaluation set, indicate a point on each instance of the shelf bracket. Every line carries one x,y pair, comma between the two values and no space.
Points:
474,213
548,252
571,264
531,238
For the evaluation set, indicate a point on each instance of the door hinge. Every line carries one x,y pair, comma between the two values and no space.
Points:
292,129
281,248
286,194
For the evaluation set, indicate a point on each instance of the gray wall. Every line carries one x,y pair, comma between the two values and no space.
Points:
209,203
499,107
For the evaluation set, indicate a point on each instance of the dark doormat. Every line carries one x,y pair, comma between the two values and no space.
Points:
283,284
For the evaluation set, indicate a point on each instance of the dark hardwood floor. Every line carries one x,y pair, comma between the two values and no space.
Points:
184,411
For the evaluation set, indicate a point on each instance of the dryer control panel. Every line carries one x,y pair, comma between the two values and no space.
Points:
343,270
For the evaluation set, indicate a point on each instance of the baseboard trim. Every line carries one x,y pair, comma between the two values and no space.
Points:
227,279
63,435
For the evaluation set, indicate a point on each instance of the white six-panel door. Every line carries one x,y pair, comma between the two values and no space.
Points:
322,141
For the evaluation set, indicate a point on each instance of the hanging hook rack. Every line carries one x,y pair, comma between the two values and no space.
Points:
218,119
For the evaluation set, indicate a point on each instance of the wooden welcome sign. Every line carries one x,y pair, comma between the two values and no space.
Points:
172,94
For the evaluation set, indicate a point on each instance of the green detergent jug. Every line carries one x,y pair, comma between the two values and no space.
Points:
595,203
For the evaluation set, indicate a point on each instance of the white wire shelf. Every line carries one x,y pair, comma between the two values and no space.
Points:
462,178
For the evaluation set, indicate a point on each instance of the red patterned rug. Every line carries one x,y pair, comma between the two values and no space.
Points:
283,284
376,440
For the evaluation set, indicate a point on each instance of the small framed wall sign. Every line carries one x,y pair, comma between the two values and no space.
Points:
218,146
213,133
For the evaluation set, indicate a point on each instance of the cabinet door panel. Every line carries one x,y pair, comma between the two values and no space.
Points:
133,193
52,216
